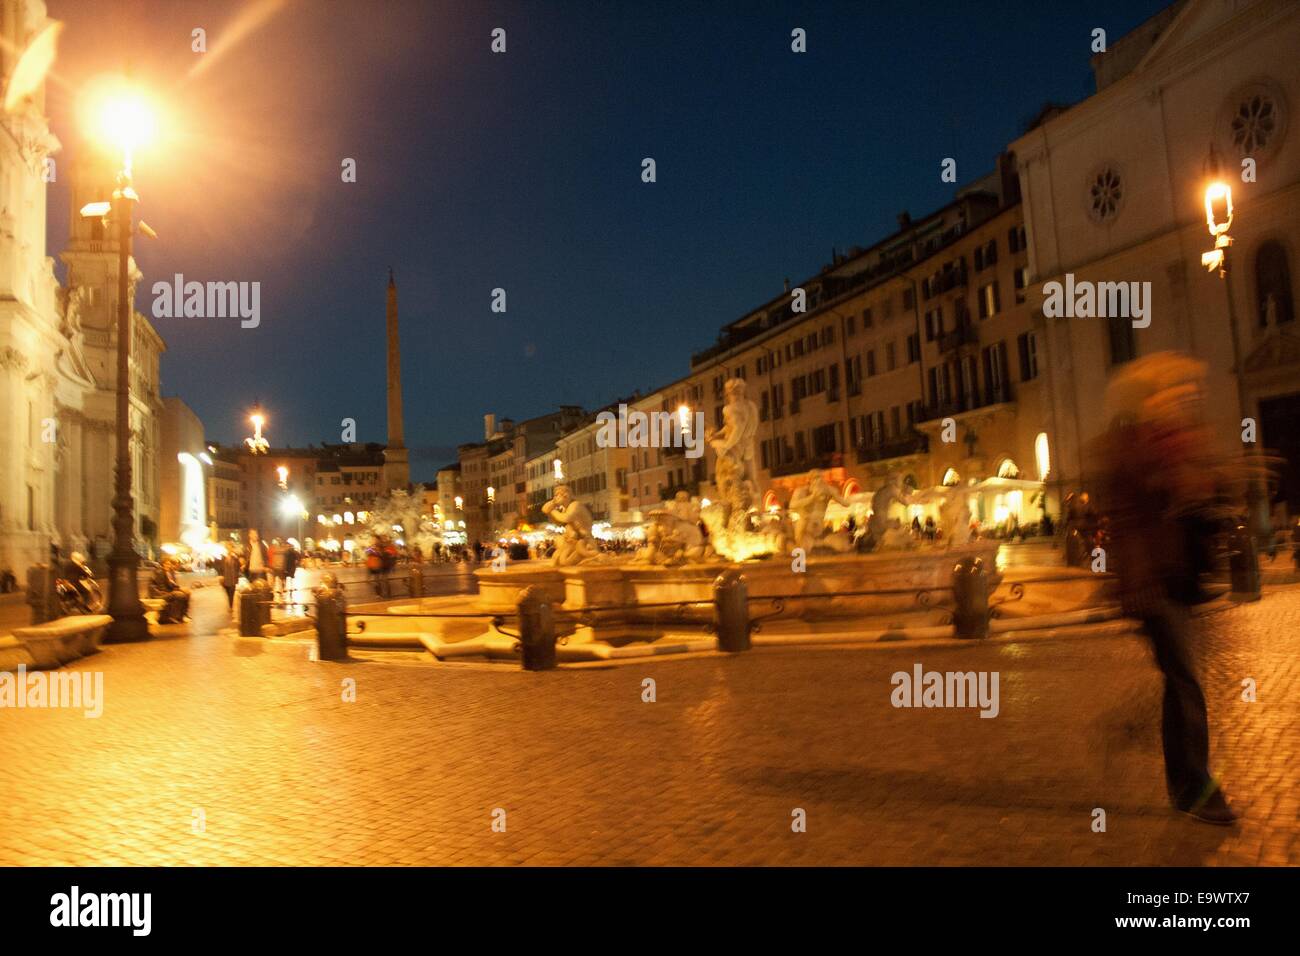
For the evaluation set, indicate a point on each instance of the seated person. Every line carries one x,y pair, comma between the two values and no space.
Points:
177,600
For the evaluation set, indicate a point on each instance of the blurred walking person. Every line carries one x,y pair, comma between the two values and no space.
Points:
231,568
258,560
1160,484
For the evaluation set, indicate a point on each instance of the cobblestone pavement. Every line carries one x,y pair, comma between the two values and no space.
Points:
285,772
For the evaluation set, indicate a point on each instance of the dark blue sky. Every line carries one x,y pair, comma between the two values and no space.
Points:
522,171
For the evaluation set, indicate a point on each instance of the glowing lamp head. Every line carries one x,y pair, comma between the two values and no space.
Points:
125,120
1218,208
684,417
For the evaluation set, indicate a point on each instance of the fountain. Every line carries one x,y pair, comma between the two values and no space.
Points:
789,561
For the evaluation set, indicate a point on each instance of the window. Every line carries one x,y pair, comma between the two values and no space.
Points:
1255,122
933,323
877,428
913,348
1020,277
853,374
871,362
988,300
1273,285
823,440
800,447
1105,193
891,358
995,372
851,325
866,318
896,421
968,385
1123,348
1027,344
887,309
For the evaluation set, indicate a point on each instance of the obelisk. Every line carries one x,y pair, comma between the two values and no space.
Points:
397,469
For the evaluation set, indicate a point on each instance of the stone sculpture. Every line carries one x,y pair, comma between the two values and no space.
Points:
577,544
808,508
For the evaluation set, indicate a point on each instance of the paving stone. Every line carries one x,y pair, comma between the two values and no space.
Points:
288,774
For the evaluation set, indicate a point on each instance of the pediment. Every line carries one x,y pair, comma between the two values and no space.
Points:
1278,351
1196,23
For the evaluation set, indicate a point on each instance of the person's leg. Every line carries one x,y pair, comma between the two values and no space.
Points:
1185,730
230,596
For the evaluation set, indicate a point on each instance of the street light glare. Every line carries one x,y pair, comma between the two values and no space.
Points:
126,121
1218,207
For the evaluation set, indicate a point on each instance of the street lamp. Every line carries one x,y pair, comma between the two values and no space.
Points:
1218,219
124,122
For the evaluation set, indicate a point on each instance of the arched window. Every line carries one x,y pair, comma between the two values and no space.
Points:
1273,284
951,478
1008,469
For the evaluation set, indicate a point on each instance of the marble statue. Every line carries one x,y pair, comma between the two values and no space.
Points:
672,540
954,515
577,544
878,525
733,444
809,503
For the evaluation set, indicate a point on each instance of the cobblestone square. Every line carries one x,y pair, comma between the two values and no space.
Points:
258,745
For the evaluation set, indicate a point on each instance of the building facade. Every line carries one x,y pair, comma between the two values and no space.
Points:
58,346
1115,192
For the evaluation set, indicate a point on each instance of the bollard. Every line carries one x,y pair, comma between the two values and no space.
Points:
42,594
417,581
1244,564
970,591
536,630
254,609
731,607
331,620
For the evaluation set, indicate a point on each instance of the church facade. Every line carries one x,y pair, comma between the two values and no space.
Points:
58,346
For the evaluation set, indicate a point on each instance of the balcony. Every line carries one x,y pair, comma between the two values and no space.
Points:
985,398
966,334
911,444
830,459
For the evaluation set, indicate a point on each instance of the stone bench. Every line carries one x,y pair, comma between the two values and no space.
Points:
153,606
63,640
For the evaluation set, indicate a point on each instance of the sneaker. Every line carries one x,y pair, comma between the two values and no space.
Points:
1211,808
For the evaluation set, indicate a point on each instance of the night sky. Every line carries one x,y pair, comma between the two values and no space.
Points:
522,171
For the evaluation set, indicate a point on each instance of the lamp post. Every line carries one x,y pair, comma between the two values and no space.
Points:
126,123
1218,219
257,444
